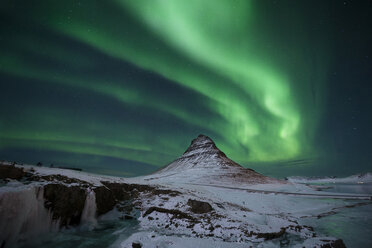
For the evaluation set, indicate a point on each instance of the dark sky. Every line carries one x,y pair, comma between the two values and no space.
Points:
122,87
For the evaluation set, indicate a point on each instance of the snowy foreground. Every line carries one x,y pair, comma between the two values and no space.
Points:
203,199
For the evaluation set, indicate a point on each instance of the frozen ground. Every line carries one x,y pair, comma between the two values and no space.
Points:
265,208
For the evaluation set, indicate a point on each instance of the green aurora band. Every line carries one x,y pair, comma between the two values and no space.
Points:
258,95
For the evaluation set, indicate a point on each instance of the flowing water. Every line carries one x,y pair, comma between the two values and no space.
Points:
23,215
88,217
104,234
352,225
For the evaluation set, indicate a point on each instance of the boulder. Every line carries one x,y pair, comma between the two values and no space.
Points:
272,235
199,207
136,245
338,243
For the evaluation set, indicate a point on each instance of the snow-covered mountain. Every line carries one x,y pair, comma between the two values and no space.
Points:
203,162
203,154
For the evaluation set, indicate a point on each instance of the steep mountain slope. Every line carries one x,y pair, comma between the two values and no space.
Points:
203,162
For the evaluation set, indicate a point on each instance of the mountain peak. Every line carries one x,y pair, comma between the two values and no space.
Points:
202,153
202,145
202,138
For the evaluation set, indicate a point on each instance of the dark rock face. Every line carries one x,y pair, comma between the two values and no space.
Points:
199,207
136,245
11,172
66,203
105,200
120,192
111,194
272,235
177,213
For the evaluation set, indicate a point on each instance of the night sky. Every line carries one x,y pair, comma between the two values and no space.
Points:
122,87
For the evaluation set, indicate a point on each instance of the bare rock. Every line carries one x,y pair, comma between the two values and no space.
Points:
176,213
105,200
199,207
338,243
272,235
11,172
136,245
66,203
120,191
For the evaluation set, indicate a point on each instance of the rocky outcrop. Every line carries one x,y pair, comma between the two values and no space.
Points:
59,178
11,172
66,203
111,194
176,213
105,200
270,235
199,207
120,191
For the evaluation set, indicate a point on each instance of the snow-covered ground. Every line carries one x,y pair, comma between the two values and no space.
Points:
241,211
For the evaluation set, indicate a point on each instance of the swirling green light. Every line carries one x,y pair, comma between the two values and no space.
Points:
197,30
211,48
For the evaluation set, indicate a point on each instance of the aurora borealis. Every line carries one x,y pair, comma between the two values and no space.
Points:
121,87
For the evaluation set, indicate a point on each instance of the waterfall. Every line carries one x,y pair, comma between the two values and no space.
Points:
23,215
88,217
